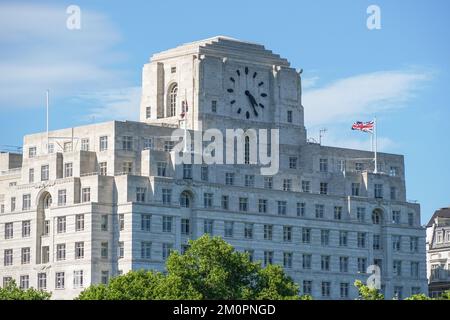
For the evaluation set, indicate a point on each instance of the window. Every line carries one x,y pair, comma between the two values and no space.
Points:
262,205
146,250
411,219
31,175
326,289
287,233
414,244
167,196
397,268
208,226
120,250
103,168
60,252
42,281
161,169
229,178
301,209
287,259
289,116
362,265
104,250
127,167
225,202
77,279
268,182
355,189
68,169
393,193
26,228
85,144
393,171
187,171
323,165
376,217
104,277
8,257
361,214
248,231
306,261
59,280
214,106
307,287
62,197
31,152
398,293
140,194
104,223
287,184
167,224
103,143
268,257
378,191
306,186
343,238
344,289
204,173
79,250
79,222
250,254
51,148
376,242
229,229
396,243
325,237
185,226
13,204
127,143
44,173
9,230
249,180
166,249
45,254
25,255
173,69
282,208
243,204
268,232
396,216
121,222
6,281
323,188
306,235
61,225
361,239
338,213
293,162
26,202
414,269
359,166
148,143
146,222
320,211
172,100
343,264
247,150
67,146
168,145
86,194
207,200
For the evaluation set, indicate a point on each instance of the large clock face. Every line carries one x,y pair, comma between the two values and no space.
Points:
247,92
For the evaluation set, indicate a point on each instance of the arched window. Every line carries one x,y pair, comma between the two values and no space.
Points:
172,103
185,200
47,201
376,217
247,150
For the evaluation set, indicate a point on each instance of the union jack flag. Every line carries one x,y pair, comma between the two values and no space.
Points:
363,126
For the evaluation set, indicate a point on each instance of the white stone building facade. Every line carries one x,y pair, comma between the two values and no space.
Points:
87,203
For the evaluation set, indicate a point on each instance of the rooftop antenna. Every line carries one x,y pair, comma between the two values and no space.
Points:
321,134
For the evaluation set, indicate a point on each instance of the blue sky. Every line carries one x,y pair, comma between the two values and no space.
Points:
400,73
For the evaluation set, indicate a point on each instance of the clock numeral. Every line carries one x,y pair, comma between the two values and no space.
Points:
238,72
230,90
261,83
247,114
239,110
232,101
246,70
263,95
255,74
232,79
261,105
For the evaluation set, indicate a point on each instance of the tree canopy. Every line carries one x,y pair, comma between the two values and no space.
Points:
12,292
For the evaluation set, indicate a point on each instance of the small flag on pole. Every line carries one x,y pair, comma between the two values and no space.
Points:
184,108
364,126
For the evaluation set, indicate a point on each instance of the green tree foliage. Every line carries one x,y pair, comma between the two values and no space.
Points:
209,269
419,296
12,292
367,293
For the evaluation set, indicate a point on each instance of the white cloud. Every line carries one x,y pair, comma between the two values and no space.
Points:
309,82
39,52
350,98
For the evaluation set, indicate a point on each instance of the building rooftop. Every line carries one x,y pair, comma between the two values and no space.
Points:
440,213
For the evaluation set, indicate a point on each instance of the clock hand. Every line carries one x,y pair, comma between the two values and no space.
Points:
252,101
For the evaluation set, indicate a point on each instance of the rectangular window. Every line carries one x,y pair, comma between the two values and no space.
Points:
307,287
376,242
249,180
396,216
411,219
323,188
167,224
60,252
268,182
61,224
140,194
287,233
8,257
25,255
168,146
104,277
26,202
337,213
306,186
323,165
45,254
343,238
103,143
103,168
9,230
207,200
161,169
359,166
146,250
262,205
121,222
31,175
77,279
287,184
59,280
86,194
282,208
397,268
67,146
320,209
344,289
148,143
127,167
325,237
214,106
42,281
229,229
146,222
79,222
166,249
185,226
187,171
398,292
396,243
362,265
13,204
326,289
104,250
167,196
248,231
414,244
306,235
393,193
68,169
31,152
208,226
148,112
355,189
293,162
361,214
393,171
85,144
225,202
62,197
378,191
301,209
343,264
325,263
26,228
79,250
268,232
44,173
287,259
229,178
204,173
243,204
289,116
361,239
415,270
268,258
120,250
104,222
306,261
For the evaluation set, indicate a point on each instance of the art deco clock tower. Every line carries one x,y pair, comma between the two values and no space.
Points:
225,84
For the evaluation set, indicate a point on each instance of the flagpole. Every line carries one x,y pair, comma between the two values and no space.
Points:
46,95
185,120
375,133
